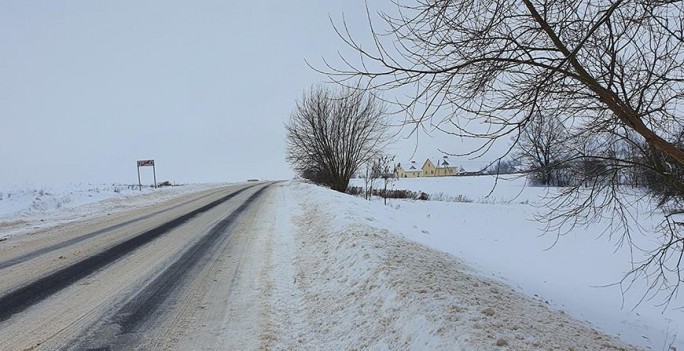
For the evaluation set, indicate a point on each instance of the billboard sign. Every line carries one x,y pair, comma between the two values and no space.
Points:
143,163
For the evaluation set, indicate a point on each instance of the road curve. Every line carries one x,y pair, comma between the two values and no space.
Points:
128,282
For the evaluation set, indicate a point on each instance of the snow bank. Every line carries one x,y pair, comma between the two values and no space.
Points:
28,208
576,272
345,281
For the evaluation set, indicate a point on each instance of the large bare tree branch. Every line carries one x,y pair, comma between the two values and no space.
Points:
611,71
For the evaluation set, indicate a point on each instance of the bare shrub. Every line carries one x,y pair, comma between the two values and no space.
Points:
332,133
355,190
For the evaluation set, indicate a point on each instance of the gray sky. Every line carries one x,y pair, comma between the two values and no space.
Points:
203,87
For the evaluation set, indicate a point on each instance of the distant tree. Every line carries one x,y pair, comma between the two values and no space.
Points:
383,168
543,150
368,179
331,134
600,162
503,166
591,170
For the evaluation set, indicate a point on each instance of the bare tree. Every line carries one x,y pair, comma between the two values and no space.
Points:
368,179
331,134
504,166
612,71
543,150
661,174
383,167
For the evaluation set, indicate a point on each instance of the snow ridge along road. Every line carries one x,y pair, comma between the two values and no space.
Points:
97,295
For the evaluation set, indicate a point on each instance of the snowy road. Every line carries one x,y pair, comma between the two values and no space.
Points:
173,275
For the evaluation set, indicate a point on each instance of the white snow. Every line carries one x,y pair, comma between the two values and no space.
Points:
29,207
346,273
344,276
497,234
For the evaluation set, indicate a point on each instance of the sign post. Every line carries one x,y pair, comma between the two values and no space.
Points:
139,183
145,163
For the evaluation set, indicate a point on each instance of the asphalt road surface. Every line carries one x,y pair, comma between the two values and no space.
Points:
178,275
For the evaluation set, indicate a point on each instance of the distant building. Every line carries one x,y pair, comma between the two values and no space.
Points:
445,169
410,170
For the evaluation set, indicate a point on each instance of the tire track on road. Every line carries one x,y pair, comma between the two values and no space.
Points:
134,315
32,293
30,255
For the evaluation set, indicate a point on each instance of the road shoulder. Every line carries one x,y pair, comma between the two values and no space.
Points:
341,283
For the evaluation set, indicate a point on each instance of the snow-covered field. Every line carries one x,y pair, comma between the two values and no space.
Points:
496,234
29,207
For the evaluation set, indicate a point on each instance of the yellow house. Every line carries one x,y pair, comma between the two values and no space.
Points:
411,170
429,169
444,169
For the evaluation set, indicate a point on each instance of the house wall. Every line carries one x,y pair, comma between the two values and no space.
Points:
399,172
429,169
413,174
449,171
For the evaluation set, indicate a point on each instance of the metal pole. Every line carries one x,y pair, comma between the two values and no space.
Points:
139,183
154,174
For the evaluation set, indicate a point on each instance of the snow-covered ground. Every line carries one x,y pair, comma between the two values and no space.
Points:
342,279
30,207
495,233
346,273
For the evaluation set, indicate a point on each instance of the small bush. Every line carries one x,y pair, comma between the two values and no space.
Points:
401,194
354,190
395,194
450,198
410,195
461,198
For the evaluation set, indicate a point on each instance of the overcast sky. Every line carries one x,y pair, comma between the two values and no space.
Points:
203,87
